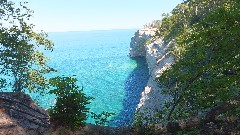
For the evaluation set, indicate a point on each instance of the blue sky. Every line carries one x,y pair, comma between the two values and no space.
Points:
81,15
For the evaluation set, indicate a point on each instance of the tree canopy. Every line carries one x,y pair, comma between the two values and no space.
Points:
20,58
206,71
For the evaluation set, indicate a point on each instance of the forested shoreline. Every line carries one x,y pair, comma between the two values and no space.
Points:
203,83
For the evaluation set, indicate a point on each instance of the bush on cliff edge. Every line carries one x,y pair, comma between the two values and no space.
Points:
70,109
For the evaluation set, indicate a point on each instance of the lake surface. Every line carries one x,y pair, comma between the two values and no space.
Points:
99,61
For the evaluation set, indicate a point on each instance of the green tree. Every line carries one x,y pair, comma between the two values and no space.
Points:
186,14
207,72
70,109
20,58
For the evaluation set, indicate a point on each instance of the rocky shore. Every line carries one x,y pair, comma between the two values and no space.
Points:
158,59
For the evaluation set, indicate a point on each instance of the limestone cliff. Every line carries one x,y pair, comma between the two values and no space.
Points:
158,59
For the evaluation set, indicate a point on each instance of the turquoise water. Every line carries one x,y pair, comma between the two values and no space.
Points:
99,60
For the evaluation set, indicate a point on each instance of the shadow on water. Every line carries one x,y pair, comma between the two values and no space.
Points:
134,85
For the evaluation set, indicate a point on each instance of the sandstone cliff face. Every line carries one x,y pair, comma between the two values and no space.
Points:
158,59
137,48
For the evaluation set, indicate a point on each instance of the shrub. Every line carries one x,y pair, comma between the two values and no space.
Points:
70,109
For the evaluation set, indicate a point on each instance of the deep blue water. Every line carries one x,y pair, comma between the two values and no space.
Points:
99,60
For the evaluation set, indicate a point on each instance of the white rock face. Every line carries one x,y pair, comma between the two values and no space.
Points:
137,43
158,59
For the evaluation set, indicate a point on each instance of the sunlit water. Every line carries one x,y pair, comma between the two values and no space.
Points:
99,61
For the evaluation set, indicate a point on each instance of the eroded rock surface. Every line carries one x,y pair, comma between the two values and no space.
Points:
158,58
137,48
19,114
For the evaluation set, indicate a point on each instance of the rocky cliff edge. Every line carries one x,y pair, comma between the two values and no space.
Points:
158,58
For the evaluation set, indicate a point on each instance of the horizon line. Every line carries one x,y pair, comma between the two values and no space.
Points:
89,30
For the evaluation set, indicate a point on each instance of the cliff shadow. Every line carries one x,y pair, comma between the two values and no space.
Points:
134,86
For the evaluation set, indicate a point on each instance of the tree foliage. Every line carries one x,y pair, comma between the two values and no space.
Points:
186,14
206,72
102,118
20,57
70,109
